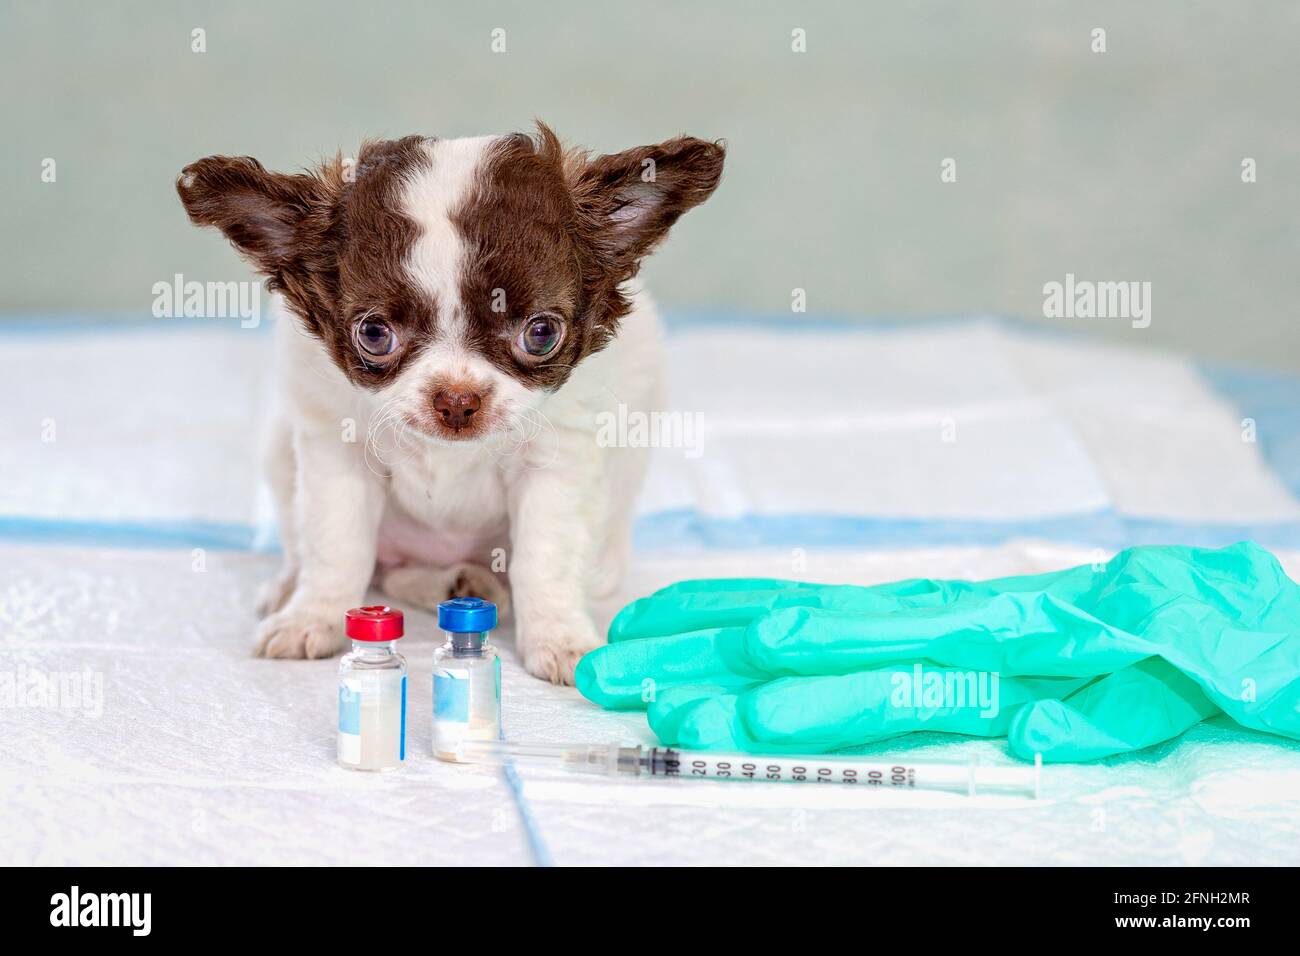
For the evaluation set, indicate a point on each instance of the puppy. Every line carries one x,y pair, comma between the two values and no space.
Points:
460,317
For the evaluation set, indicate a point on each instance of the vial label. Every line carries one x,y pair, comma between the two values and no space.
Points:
466,706
349,725
372,722
450,707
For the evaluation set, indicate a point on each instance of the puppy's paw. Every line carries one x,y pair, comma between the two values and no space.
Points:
551,648
428,587
293,633
276,592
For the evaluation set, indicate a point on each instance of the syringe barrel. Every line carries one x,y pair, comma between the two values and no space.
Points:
579,758
859,771
884,772
610,760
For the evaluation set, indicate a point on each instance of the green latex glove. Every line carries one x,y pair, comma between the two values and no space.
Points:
1137,652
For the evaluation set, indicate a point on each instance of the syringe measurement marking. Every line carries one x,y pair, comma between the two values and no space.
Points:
720,768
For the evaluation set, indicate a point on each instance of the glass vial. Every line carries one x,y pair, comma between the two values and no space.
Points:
372,692
466,677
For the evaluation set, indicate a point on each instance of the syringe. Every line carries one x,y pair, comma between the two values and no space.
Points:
636,761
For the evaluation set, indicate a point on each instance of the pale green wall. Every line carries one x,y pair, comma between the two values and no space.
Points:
1123,165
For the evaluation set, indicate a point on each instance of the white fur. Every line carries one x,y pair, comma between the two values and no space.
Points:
430,198
540,487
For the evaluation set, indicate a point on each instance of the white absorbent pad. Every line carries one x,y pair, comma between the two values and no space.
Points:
193,751
121,432
822,434
826,451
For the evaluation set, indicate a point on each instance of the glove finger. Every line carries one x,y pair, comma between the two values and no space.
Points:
714,722
820,714
700,717
1145,704
677,611
630,675
1011,634
663,614
725,602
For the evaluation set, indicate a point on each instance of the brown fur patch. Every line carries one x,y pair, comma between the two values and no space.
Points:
555,231
545,230
286,225
372,274
331,242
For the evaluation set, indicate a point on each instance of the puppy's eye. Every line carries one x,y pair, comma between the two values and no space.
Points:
374,338
541,335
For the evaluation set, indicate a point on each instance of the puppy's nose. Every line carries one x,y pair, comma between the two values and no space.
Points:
456,408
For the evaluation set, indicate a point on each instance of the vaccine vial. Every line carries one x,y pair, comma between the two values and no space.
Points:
372,692
466,677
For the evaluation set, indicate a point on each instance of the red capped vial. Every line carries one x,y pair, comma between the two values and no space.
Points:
372,692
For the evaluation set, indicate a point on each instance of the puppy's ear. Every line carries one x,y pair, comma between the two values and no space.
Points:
280,222
631,199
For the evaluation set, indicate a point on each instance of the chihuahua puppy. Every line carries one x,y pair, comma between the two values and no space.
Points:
458,317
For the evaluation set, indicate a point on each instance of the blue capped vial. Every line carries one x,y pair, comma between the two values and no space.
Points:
466,677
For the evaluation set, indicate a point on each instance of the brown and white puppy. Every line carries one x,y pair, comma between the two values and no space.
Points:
460,316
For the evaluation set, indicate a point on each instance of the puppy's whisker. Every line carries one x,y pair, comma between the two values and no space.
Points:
386,418
524,430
